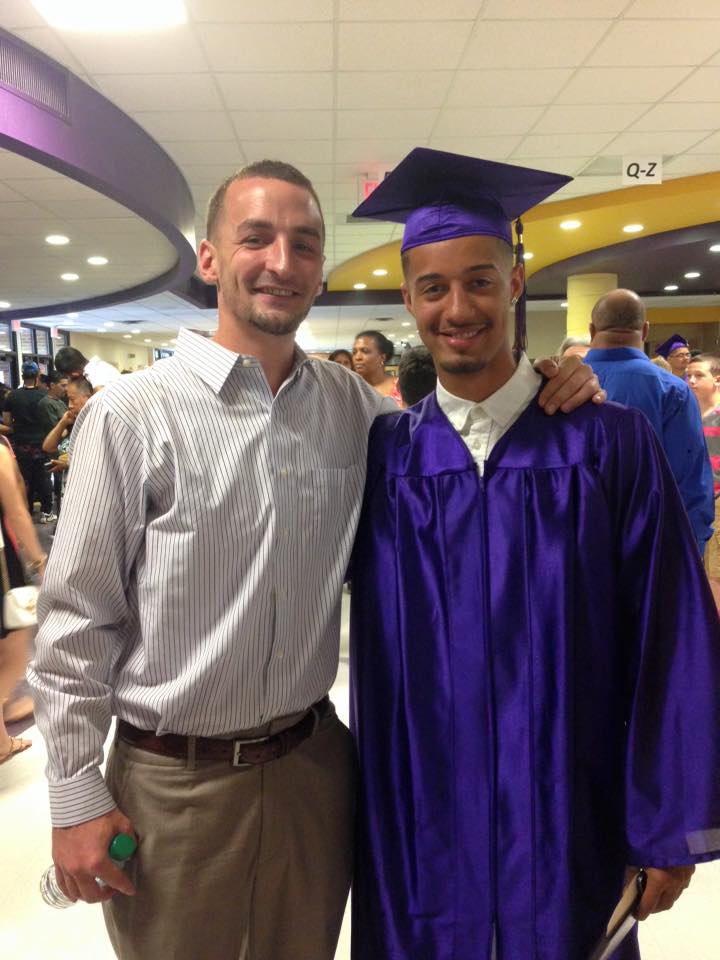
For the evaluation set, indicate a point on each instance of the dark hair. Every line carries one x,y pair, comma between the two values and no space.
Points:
56,376
83,386
416,375
69,360
266,170
385,346
336,353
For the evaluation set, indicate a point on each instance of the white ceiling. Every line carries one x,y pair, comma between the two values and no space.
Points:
344,88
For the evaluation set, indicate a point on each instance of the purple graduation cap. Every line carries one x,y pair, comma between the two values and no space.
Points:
672,343
441,196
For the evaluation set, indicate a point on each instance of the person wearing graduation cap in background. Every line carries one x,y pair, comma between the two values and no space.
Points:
534,645
676,351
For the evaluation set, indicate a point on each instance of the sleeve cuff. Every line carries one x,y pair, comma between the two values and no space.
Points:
83,798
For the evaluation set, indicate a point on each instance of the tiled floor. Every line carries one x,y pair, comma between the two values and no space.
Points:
31,931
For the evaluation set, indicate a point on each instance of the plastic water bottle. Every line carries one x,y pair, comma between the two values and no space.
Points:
122,847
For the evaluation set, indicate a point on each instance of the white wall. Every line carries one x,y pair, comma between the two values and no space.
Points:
545,331
123,354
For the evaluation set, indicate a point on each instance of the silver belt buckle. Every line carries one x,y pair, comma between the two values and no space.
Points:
237,747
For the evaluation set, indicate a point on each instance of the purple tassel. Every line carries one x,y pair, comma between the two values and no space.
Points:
520,344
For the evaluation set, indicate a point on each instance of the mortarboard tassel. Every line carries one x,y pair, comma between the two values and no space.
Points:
520,344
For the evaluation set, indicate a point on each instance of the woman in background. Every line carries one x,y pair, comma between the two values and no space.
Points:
343,357
372,351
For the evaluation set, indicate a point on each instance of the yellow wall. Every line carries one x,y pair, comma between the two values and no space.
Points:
118,352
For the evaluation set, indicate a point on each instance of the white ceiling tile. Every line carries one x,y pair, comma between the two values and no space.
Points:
489,148
407,46
138,53
377,155
53,188
186,125
667,10
376,124
707,144
702,86
13,166
231,11
8,194
20,13
148,92
362,90
551,9
589,118
198,173
689,164
23,210
499,88
487,122
272,91
652,44
680,116
569,166
653,144
97,206
211,152
542,43
621,84
283,124
297,152
268,46
365,10
562,144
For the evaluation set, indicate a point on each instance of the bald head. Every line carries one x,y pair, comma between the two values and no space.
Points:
619,310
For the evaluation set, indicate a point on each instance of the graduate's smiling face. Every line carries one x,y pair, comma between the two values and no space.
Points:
460,292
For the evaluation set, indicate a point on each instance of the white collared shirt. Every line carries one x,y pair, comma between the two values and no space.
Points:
195,579
482,424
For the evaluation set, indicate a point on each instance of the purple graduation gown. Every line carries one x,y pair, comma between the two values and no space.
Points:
535,685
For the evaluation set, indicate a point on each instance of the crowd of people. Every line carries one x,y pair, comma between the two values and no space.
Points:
535,648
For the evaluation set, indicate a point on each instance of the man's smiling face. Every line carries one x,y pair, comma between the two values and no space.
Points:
265,254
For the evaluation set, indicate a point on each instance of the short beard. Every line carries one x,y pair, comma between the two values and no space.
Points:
274,326
462,365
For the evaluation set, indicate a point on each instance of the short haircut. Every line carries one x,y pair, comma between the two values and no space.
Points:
69,360
83,386
416,375
337,353
618,310
711,359
265,170
385,346
56,376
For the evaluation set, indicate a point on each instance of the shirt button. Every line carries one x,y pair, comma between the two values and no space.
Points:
247,362
284,471
280,654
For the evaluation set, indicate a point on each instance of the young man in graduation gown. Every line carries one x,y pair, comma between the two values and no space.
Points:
535,650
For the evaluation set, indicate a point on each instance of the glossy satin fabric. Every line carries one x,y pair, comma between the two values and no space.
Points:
535,663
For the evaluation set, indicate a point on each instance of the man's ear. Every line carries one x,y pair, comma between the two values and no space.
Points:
592,330
406,297
517,281
645,330
206,262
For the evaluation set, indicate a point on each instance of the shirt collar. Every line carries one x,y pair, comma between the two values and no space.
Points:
615,353
214,364
501,406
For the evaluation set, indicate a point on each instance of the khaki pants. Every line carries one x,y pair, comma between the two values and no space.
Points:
250,863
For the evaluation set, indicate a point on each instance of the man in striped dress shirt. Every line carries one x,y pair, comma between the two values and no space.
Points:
194,593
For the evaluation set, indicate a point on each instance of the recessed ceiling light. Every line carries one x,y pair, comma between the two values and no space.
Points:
359,286
406,323
97,261
67,323
563,303
127,336
528,255
101,330
70,277
633,228
57,239
692,275
173,341
163,344
109,323
111,16
380,272
147,341
670,287
570,224
4,304
391,336
73,316
715,248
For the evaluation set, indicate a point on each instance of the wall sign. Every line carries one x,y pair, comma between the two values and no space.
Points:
637,171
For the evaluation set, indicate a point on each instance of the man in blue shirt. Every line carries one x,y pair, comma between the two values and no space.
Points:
618,330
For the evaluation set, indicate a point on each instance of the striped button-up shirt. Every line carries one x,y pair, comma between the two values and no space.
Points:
194,583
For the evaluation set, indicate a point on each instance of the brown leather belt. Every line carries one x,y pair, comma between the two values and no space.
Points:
238,752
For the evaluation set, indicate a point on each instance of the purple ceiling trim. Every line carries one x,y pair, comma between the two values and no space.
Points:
100,146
